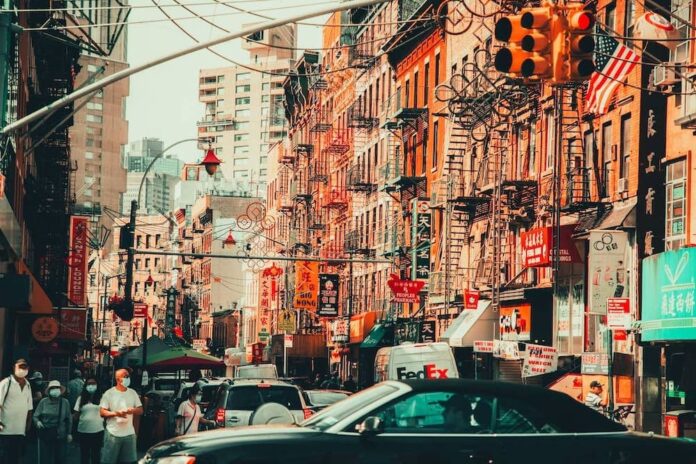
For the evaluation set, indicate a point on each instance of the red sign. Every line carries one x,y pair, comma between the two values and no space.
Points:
77,260
140,310
471,299
73,324
537,246
44,329
405,291
483,346
618,313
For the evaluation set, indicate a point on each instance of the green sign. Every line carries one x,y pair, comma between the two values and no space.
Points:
669,296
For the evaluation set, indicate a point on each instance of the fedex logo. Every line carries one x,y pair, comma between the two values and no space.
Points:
430,371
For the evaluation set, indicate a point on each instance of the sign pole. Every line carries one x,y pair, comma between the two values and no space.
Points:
285,354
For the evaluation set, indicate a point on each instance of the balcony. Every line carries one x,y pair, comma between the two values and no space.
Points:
394,177
355,243
338,142
332,251
358,181
300,148
359,115
361,56
320,121
336,198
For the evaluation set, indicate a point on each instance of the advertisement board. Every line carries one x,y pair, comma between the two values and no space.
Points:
619,313
506,350
539,360
73,324
405,291
328,295
515,322
608,268
421,229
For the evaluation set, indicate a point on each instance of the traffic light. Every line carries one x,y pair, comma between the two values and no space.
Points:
528,34
581,44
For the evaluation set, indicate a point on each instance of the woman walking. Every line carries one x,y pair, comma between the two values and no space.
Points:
189,414
90,425
53,425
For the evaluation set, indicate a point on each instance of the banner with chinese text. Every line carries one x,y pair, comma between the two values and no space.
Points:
328,295
77,260
421,227
306,285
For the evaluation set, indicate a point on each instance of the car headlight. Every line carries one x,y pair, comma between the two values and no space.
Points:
169,460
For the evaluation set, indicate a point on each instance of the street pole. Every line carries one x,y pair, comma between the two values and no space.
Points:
285,355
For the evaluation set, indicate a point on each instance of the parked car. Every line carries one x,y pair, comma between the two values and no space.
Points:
165,387
208,389
415,361
410,421
320,399
236,400
256,371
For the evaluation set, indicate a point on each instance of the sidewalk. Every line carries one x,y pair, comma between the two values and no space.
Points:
31,455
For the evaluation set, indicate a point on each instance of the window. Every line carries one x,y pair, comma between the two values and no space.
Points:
250,398
550,139
407,93
242,114
625,160
263,172
265,87
415,89
89,155
532,146
436,79
424,152
629,19
220,91
245,76
243,88
518,153
682,9
94,118
241,174
426,84
241,161
241,137
221,79
610,17
239,125
606,155
242,100
95,106
263,160
241,150
675,190
92,68
265,98
436,139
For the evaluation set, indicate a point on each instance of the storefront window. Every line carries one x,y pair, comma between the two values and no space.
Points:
675,231
570,309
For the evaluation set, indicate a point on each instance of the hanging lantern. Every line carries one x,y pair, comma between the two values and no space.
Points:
211,162
149,281
229,241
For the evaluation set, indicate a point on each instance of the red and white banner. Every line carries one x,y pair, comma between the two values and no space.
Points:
619,313
483,346
77,260
73,324
539,360
140,310
405,291
537,246
471,299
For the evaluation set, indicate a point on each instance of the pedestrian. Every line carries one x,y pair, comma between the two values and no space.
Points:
326,382
118,405
594,399
75,387
334,382
349,384
37,386
317,381
53,423
15,413
90,425
189,414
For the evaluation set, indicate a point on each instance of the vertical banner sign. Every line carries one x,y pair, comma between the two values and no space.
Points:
608,266
77,260
306,285
539,360
170,314
619,313
427,332
536,244
421,227
264,313
328,295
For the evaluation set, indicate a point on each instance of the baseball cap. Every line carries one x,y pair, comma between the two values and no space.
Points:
21,362
595,383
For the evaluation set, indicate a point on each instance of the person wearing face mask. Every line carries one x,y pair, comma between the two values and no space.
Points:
118,405
15,412
189,414
53,425
90,425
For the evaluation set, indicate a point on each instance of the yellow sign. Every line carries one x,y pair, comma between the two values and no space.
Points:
306,285
286,321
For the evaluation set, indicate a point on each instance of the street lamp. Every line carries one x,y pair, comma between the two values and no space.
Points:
210,162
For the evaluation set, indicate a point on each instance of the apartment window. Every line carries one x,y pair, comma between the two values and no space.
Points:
263,160
148,240
220,91
426,84
265,98
241,137
91,68
220,79
436,140
606,155
89,155
518,153
137,287
415,89
265,87
241,150
242,114
624,167
437,69
241,174
424,152
245,76
407,93
263,172
610,17
675,190
95,106
550,138
243,88
239,125
241,161
94,118
242,100
681,9
147,261
629,18
263,148
532,146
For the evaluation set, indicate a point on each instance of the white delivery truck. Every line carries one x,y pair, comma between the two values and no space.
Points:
415,361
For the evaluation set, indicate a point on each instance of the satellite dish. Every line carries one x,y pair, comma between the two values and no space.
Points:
271,413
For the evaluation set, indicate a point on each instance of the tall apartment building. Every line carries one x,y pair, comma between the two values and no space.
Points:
243,113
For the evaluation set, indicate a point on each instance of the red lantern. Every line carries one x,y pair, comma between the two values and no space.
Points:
229,241
150,281
211,162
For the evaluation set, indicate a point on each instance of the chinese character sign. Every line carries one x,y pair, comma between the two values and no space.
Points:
669,296
538,246
306,285
170,315
328,295
77,260
405,291
609,262
420,239
73,324
427,331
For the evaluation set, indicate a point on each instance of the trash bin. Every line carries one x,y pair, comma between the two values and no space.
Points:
680,424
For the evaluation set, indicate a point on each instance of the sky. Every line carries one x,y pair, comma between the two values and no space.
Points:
163,101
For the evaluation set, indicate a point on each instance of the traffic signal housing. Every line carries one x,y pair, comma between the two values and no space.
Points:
581,44
528,35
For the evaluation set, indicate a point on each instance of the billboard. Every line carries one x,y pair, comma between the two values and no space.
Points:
608,268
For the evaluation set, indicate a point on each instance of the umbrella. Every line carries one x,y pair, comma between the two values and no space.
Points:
154,345
184,358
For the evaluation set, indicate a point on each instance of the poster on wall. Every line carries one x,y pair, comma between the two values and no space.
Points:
539,360
515,322
608,268
328,295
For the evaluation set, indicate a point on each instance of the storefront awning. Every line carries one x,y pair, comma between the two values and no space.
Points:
471,325
621,215
380,335
39,301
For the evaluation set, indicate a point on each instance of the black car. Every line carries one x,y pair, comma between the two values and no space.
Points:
321,399
449,421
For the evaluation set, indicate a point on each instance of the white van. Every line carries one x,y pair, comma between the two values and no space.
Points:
256,371
415,361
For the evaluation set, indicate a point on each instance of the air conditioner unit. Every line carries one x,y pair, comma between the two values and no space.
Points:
623,185
665,74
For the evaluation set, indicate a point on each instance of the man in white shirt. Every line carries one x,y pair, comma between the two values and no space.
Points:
15,412
594,398
118,406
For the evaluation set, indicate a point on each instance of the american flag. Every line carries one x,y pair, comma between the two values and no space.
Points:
614,61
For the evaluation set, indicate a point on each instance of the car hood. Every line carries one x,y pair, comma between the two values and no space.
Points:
227,437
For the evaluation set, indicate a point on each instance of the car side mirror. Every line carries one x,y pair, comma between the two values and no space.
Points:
370,426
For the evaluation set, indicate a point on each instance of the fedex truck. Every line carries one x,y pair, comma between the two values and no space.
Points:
415,361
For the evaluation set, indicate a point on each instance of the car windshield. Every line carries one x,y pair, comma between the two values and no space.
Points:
166,384
251,397
345,408
256,372
320,398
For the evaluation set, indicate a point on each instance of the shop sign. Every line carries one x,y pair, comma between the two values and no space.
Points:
619,313
306,285
406,331
608,268
483,346
405,291
77,260
45,329
73,324
595,363
537,246
199,345
286,321
471,299
328,295
539,360
170,314
140,310
669,296
340,330
288,340
515,322
506,350
421,228
427,332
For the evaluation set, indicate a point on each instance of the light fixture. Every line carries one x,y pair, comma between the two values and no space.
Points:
211,162
149,281
229,240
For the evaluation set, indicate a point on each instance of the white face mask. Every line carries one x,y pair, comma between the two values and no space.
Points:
91,388
54,392
126,382
199,398
21,373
